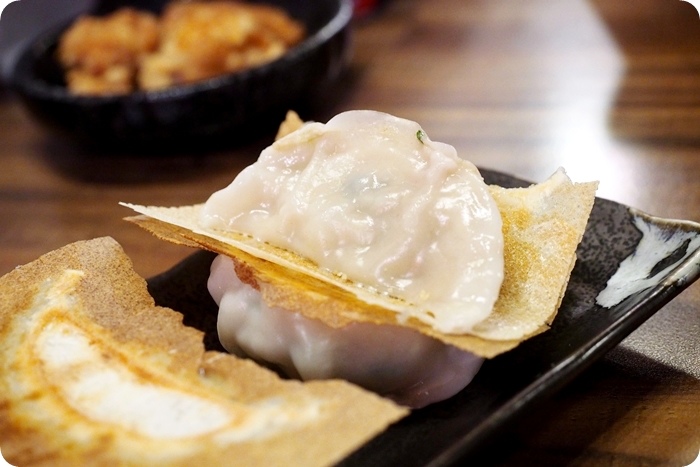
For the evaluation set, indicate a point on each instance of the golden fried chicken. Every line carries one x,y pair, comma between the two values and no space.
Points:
101,54
191,41
200,40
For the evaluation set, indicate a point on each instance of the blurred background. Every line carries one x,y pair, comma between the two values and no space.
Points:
22,20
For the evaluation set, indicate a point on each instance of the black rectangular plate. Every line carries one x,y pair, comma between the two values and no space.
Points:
450,432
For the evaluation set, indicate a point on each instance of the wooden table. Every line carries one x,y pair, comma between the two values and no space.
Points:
608,90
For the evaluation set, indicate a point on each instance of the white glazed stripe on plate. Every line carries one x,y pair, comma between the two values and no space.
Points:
658,253
583,332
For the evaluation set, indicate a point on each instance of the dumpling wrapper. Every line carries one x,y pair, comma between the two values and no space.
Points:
542,227
372,197
92,373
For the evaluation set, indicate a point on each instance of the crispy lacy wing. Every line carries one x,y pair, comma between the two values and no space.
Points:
92,373
542,225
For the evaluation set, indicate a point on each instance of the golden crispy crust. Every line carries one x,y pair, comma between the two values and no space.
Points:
542,227
83,345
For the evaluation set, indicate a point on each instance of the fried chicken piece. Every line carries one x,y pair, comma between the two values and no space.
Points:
191,41
115,79
200,40
101,54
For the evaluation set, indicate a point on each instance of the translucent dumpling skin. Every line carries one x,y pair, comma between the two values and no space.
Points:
399,363
370,197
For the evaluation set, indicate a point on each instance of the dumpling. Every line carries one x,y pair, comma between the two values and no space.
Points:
400,363
370,196
360,249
